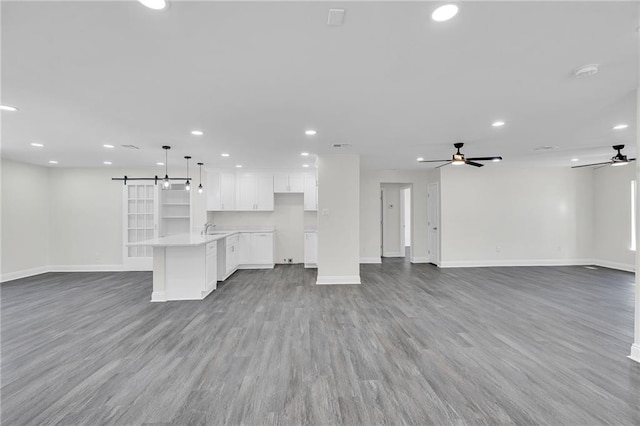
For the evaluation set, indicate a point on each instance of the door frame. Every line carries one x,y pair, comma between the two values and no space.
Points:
433,223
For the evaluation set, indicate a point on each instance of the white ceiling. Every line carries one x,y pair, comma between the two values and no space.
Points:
254,75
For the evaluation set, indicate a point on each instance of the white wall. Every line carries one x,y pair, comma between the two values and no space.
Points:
338,219
505,215
288,218
392,220
370,181
612,217
25,219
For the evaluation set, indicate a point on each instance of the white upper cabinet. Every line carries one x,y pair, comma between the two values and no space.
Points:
254,192
288,182
310,193
221,191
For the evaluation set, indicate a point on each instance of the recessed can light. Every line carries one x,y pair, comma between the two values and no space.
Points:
8,108
159,164
310,132
197,132
154,4
37,145
420,159
304,154
620,126
53,162
496,160
224,154
497,123
445,12
575,159
305,165
108,163
239,166
107,146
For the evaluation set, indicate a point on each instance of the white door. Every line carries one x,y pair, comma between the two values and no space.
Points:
214,196
264,192
139,223
433,223
246,192
244,251
280,182
262,248
296,182
227,191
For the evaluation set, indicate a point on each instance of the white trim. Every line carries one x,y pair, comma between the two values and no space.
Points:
86,268
393,254
259,266
159,296
516,262
614,265
338,279
420,260
370,260
311,265
10,276
635,352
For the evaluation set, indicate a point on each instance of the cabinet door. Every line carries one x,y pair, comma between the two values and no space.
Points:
296,182
310,193
311,248
227,191
262,248
213,190
264,196
211,268
280,182
246,191
244,251
230,257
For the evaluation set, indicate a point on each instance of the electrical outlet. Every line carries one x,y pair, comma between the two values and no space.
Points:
290,260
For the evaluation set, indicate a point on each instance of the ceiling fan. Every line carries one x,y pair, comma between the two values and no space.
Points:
459,158
617,160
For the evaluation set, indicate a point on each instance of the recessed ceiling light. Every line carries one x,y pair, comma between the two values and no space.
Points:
239,166
197,132
154,4
496,160
575,159
36,144
160,164
445,12
108,163
620,126
53,162
586,71
305,165
420,159
498,123
8,108
224,154
310,132
107,145
304,154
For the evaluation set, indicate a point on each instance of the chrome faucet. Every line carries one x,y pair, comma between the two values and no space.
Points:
207,225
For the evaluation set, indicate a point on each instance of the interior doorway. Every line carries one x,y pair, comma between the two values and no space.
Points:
396,219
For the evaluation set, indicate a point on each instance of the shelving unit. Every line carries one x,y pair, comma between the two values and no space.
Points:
139,224
175,210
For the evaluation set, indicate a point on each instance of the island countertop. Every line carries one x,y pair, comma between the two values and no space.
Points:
194,238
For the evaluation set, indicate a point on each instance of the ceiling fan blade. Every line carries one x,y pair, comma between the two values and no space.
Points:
485,158
442,165
432,161
594,164
471,163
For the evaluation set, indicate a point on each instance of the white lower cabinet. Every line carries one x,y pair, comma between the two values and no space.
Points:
211,260
310,249
228,263
189,271
256,250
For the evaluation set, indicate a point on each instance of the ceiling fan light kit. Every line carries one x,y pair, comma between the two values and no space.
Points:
166,181
617,160
459,159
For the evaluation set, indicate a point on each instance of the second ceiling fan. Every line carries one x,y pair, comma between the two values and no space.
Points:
459,158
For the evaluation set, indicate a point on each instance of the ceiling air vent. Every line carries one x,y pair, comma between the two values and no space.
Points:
130,146
544,148
341,145
335,18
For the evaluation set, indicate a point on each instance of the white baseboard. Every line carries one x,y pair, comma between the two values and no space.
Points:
420,260
311,265
159,296
614,265
260,266
10,276
338,279
86,268
393,254
517,262
370,260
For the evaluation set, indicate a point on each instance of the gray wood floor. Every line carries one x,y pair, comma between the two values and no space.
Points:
413,345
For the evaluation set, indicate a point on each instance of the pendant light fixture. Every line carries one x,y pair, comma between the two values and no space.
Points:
187,185
200,189
166,181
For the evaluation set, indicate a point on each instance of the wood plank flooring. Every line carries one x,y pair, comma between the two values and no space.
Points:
412,345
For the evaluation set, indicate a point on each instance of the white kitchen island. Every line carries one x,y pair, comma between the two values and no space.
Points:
188,266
